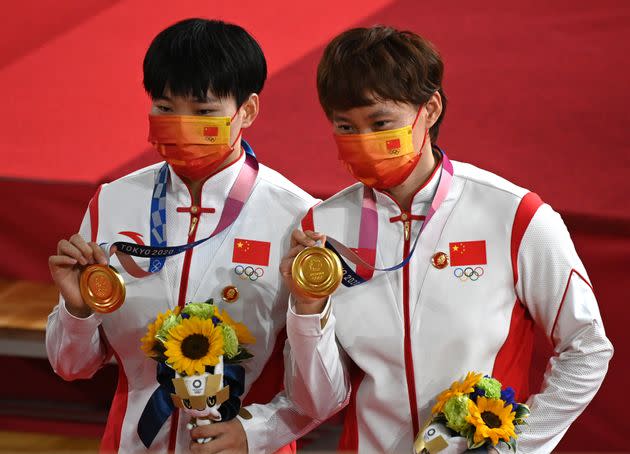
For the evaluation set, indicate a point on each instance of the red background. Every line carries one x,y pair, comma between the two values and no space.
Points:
538,92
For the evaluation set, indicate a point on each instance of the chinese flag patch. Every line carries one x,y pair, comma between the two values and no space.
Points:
210,131
251,252
393,144
468,253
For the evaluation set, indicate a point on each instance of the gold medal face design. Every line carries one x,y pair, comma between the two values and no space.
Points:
102,288
317,271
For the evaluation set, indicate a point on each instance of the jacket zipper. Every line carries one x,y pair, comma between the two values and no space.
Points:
193,228
181,302
183,284
409,369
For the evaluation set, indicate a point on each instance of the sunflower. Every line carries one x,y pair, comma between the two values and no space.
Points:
192,345
492,419
242,332
149,340
457,389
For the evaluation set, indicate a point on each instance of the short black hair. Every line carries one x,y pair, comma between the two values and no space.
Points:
195,55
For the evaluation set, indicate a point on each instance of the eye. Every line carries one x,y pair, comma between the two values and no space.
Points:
212,400
186,403
381,124
163,109
205,112
343,128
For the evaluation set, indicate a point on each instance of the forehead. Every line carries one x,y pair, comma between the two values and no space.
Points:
377,108
210,98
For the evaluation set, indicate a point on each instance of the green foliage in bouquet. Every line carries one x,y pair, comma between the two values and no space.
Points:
190,338
481,410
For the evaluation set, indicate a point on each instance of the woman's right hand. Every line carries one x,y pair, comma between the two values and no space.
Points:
65,268
300,241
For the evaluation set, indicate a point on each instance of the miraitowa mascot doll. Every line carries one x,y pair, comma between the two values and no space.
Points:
198,350
206,398
439,439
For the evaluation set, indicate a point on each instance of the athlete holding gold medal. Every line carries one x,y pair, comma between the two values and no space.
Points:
404,324
178,232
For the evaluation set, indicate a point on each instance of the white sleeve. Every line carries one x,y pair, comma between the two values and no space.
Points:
281,421
74,346
316,377
554,286
275,424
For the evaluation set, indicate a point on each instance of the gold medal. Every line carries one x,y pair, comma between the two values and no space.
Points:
317,271
102,288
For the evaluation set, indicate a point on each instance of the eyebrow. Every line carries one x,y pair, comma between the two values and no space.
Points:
373,115
379,113
206,100
341,118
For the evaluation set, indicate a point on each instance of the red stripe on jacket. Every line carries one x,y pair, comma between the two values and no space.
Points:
271,381
349,441
307,221
93,211
113,430
512,363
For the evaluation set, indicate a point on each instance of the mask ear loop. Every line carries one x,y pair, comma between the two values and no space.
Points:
240,132
426,132
415,120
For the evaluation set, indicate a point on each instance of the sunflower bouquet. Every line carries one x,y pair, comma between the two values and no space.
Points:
475,412
191,338
202,347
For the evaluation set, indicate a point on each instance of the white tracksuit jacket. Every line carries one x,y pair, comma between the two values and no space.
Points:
390,346
77,348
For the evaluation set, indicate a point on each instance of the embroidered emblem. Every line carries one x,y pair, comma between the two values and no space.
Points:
464,274
249,272
393,146
135,236
464,253
251,252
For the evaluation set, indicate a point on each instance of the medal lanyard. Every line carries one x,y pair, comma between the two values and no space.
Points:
368,231
158,251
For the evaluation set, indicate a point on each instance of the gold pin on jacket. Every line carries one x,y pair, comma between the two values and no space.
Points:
439,260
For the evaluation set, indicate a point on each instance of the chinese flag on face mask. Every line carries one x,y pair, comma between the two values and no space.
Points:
210,131
251,252
468,253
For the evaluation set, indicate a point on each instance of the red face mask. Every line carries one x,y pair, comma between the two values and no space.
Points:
195,146
383,159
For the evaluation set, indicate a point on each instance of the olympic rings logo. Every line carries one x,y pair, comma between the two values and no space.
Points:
463,274
249,272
